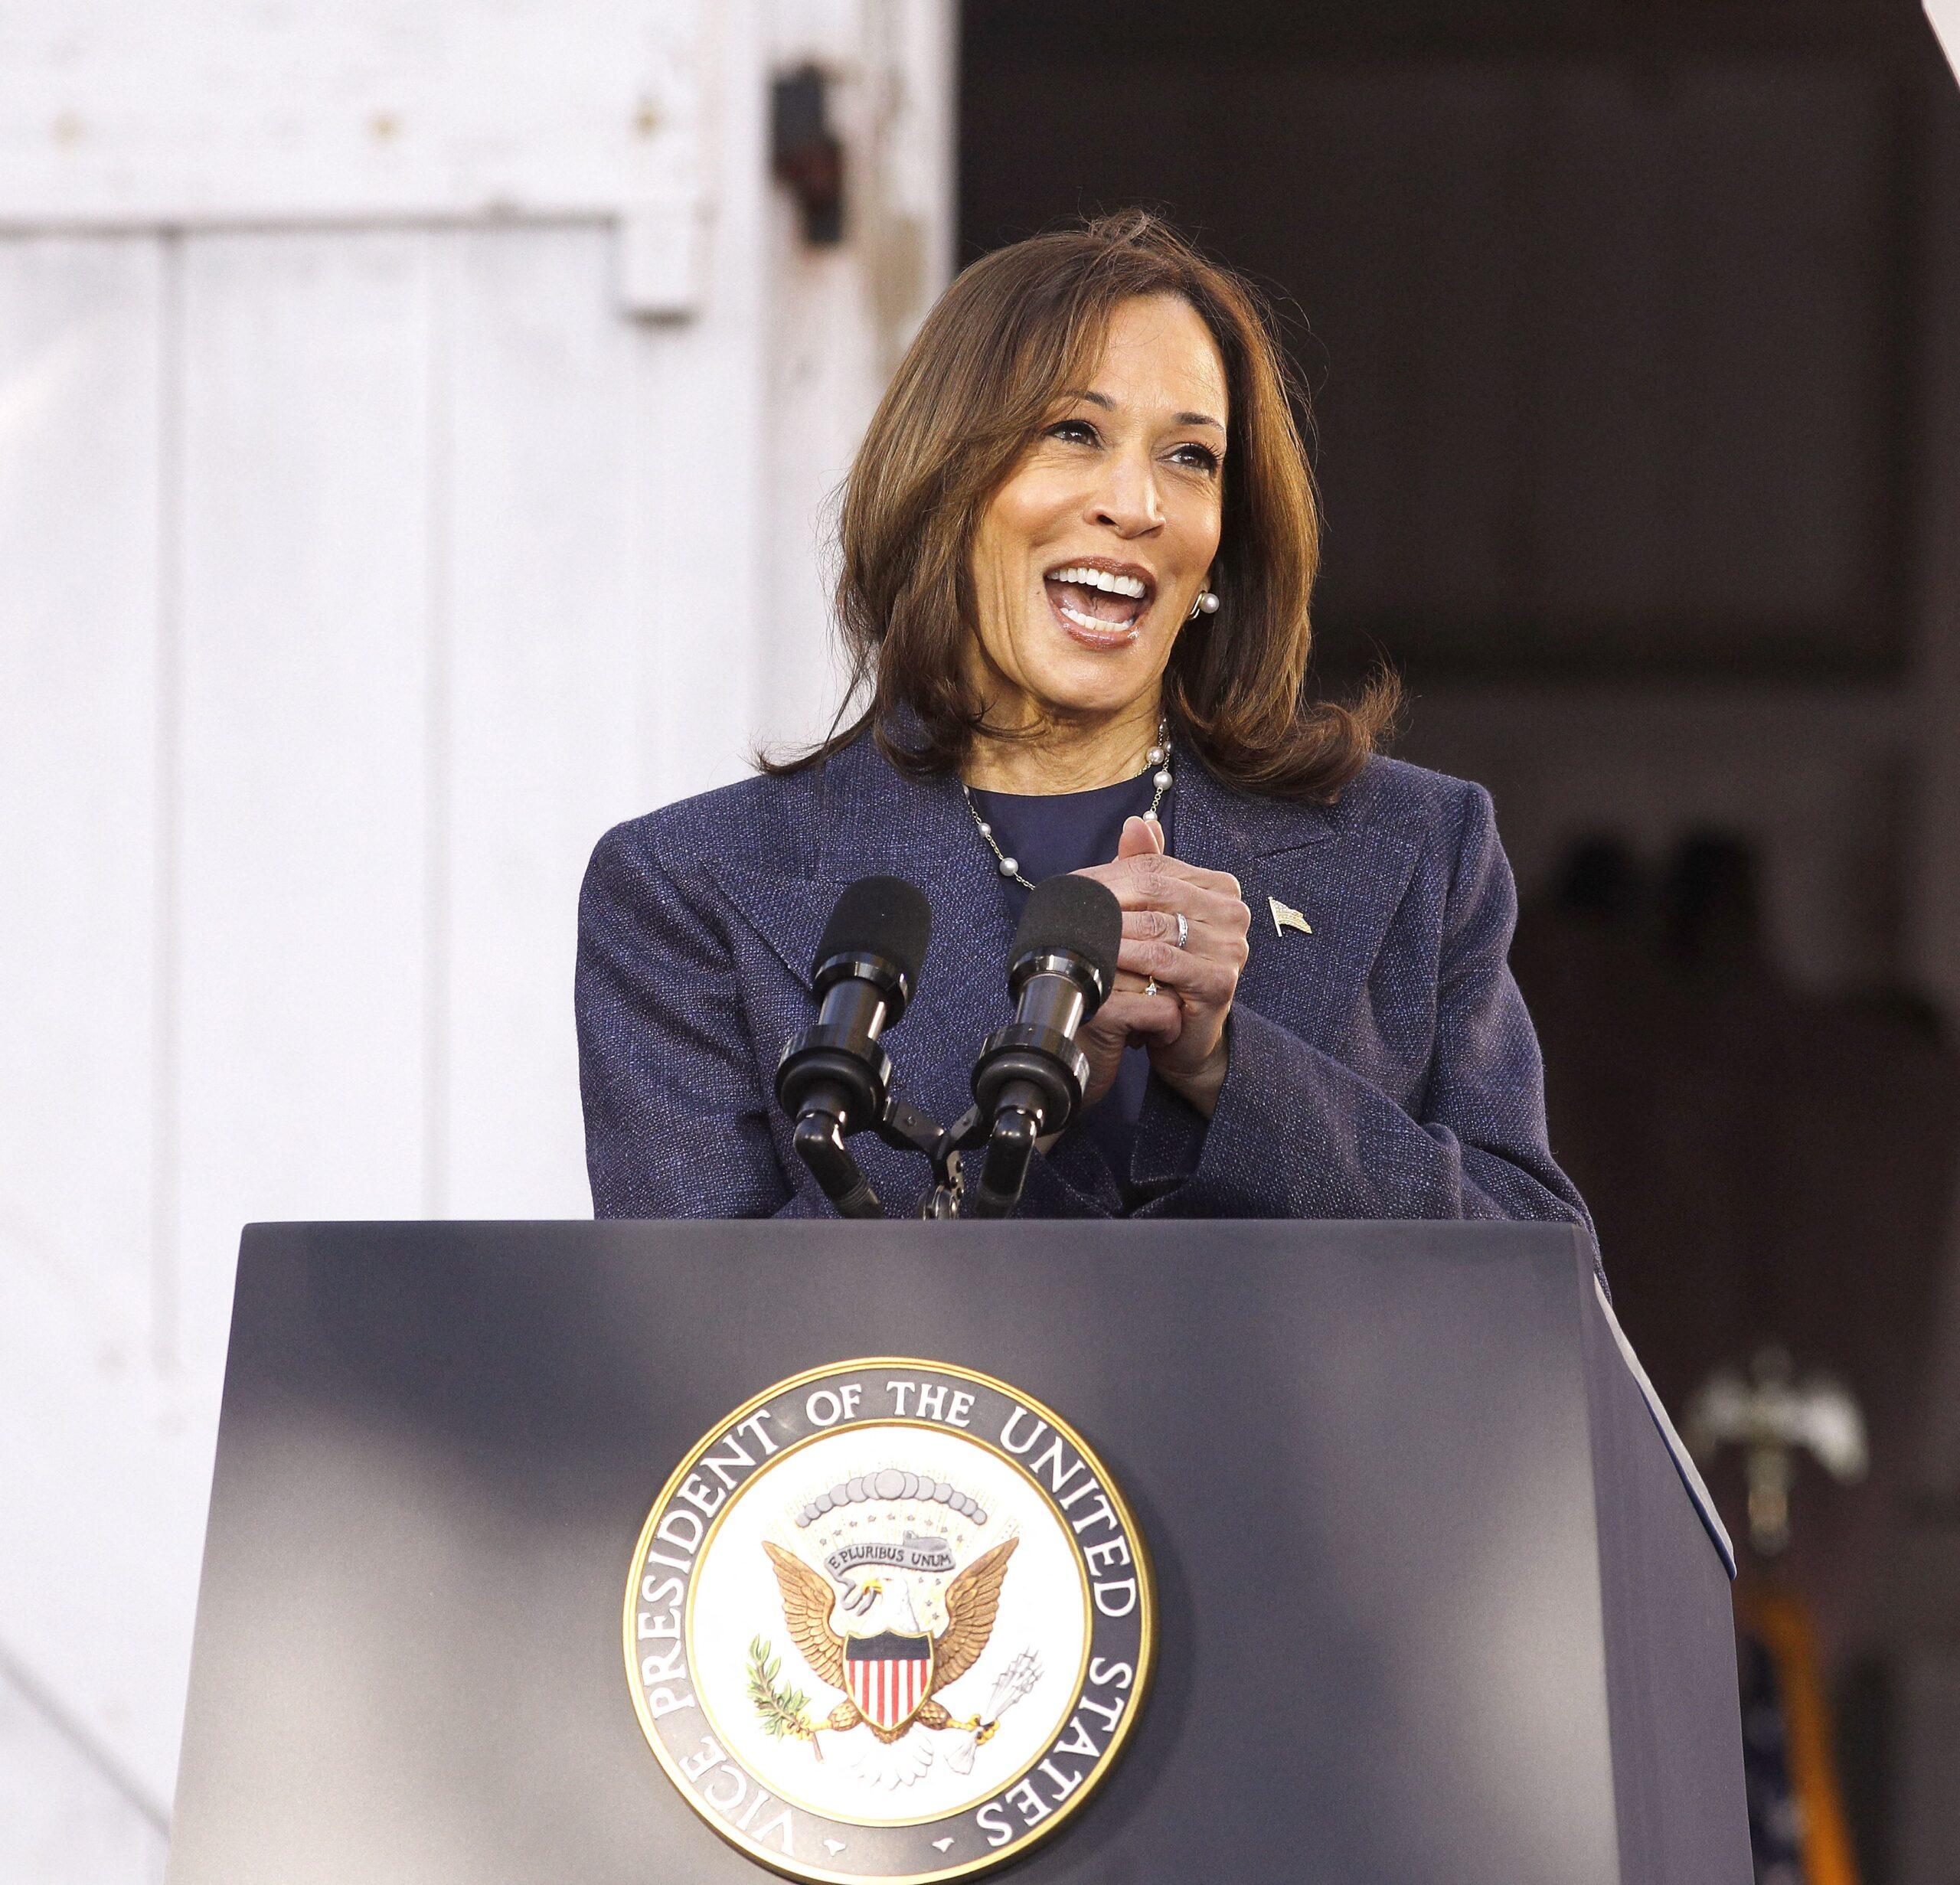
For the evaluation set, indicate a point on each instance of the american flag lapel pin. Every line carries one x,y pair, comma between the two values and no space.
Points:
1285,917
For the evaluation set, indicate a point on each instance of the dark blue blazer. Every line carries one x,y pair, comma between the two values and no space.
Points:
1383,1067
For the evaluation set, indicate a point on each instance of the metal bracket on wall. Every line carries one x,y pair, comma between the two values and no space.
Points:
806,154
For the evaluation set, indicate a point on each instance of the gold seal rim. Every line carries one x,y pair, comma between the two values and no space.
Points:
1058,1816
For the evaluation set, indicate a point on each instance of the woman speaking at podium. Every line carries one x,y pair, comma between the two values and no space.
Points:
1077,545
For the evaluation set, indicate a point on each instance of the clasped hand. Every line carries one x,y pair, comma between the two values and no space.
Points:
1183,1023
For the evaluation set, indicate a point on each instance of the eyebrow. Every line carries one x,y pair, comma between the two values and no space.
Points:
1181,419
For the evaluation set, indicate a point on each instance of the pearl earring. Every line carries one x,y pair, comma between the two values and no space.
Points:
1207,603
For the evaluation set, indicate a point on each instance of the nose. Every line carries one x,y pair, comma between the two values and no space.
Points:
1126,499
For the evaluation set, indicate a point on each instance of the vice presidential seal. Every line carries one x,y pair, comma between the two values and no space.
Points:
890,1620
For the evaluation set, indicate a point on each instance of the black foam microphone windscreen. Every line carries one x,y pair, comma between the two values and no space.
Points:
1075,916
885,917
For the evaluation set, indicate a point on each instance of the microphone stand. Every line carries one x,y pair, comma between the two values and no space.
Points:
819,1140
820,1143
1028,1073
1029,1078
835,1079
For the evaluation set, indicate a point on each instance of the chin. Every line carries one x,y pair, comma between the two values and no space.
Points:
1076,696
1099,677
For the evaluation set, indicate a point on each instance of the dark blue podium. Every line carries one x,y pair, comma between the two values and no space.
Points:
1439,1603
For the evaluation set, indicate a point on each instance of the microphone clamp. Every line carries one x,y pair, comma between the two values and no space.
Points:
1035,1054
842,1047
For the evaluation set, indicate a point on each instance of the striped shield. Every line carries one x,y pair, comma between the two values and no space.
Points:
889,1676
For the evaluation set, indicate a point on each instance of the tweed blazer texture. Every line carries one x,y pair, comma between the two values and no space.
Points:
1383,1066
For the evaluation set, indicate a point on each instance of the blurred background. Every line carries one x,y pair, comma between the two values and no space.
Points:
415,428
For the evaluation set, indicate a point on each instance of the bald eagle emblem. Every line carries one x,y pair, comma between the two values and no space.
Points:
890,1619
865,1640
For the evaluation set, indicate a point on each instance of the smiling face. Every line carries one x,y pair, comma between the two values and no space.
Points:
1087,561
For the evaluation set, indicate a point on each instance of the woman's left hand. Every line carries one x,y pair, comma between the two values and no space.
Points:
1183,1022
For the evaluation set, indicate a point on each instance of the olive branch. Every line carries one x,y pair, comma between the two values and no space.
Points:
784,1710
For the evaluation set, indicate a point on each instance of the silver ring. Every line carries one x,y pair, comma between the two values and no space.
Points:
1184,928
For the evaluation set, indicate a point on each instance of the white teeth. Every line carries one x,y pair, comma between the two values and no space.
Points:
1095,625
1105,580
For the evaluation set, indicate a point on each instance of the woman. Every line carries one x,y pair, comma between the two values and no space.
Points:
1077,547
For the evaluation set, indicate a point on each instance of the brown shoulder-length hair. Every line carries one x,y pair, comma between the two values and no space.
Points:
984,377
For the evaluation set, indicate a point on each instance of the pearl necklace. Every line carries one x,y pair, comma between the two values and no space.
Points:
1159,756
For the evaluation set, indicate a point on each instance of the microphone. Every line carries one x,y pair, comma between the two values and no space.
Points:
835,1079
1029,1079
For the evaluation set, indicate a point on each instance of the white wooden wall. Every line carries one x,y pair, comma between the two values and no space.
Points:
412,427
1945,17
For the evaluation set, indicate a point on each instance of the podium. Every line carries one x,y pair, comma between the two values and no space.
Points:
1437,1601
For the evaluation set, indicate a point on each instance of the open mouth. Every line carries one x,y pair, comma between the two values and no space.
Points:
1100,606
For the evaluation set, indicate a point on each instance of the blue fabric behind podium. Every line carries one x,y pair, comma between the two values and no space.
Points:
1383,1067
